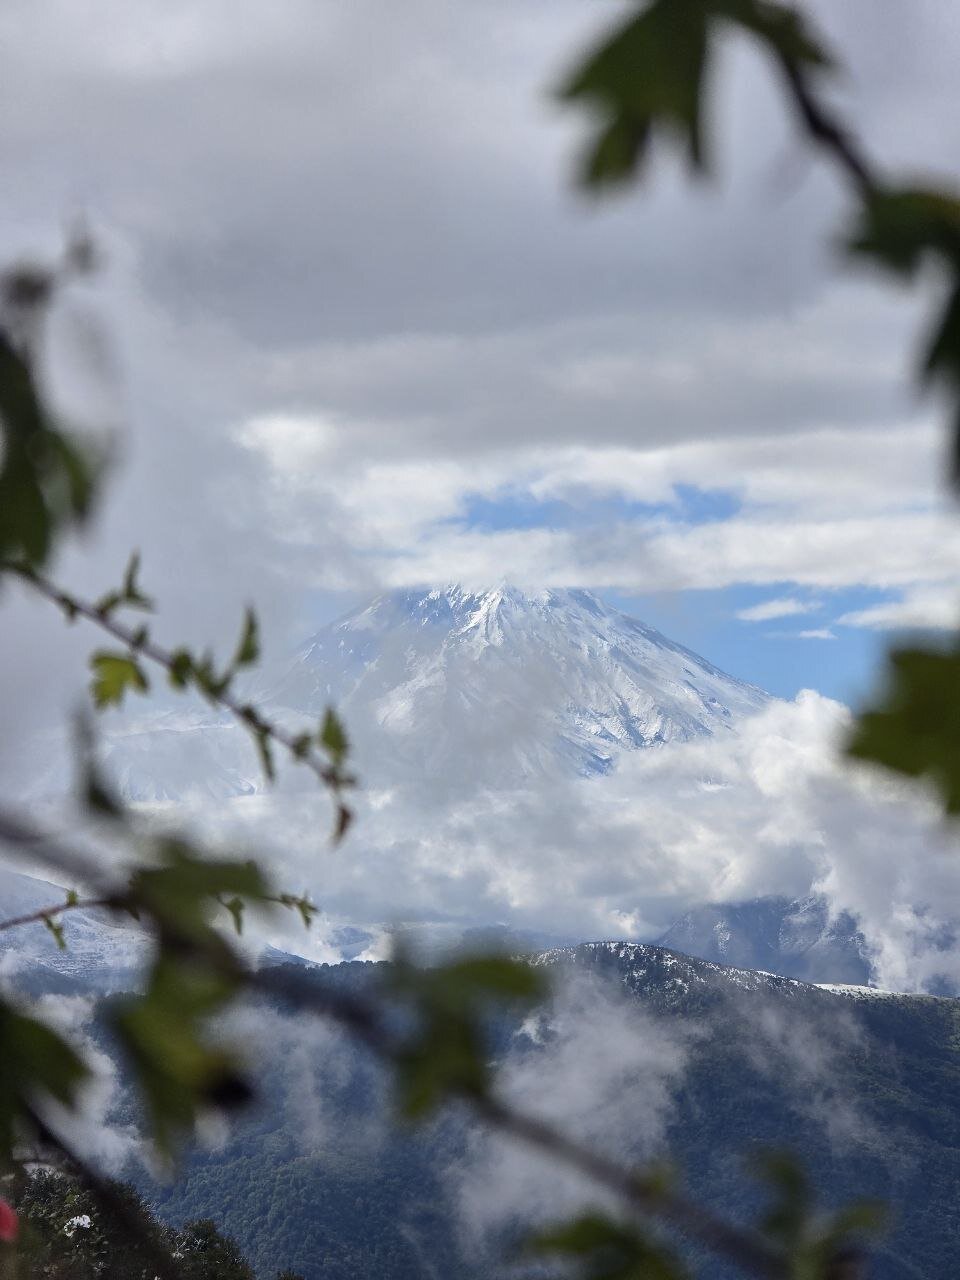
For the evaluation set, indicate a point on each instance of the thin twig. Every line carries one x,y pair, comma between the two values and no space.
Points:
828,132
49,913
250,717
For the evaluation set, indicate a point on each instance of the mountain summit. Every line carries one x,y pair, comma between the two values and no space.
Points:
502,685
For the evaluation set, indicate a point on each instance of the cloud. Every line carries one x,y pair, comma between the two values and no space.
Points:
929,607
94,1128
351,291
773,809
816,633
594,1064
782,607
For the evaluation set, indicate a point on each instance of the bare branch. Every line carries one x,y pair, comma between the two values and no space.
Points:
44,914
248,716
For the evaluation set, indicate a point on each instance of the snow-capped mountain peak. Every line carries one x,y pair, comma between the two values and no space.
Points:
503,684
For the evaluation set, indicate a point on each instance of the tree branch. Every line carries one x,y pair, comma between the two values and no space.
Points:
248,716
827,131
44,914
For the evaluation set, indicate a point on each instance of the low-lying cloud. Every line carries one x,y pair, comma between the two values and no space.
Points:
773,809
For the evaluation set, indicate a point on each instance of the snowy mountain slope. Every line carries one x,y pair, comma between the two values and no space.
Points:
796,938
492,688
101,950
504,685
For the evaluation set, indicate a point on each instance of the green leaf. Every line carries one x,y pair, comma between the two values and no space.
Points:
56,928
132,595
113,675
108,603
248,650
790,1215
181,668
48,480
781,27
35,1062
942,358
333,738
301,904
261,738
95,792
899,227
916,729
648,75
447,1052
183,889
179,1070
342,822
605,1250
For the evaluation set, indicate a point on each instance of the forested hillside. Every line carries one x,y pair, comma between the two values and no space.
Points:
863,1087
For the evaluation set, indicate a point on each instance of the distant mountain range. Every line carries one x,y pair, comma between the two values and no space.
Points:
643,1052
863,1085
795,938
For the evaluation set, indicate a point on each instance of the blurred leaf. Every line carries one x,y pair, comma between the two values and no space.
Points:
196,973
781,26
791,1212
261,738
47,480
181,668
94,791
113,675
333,738
301,904
916,728
647,75
132,595
248,650
606,1250
446,1051
341,825
942,357
898,227
182,891
54,927
179,1071
34,1062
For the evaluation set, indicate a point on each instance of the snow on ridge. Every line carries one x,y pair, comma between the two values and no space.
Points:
679,971
507,683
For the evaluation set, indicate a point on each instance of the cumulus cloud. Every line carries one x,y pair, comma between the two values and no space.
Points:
771,810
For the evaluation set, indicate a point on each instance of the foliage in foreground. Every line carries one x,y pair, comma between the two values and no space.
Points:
645,80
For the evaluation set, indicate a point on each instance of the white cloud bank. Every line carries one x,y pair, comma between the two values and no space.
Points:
772,810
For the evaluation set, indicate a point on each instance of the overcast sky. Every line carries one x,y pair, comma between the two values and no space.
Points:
356,330
361,331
